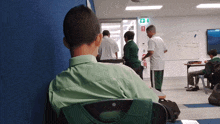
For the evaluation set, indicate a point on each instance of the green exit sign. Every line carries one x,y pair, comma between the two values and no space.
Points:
144,21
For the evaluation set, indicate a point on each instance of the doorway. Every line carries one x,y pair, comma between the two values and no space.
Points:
117,28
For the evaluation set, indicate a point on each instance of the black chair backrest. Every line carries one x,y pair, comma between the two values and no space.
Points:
159,113
50,116
215,76
216,66
96,109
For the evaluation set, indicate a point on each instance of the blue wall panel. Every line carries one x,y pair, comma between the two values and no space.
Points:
32,53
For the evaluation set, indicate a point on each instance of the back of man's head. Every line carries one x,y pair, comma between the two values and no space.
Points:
212,52
80,26
151,28
105,33
129,35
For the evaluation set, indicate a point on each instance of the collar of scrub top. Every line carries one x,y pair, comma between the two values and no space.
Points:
81,60
105,37
215,57
129,40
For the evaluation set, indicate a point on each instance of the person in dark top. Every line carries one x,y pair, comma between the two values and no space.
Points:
212,68
131,54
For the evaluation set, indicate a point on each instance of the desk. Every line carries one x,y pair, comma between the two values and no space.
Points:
193,65
112,61
159,94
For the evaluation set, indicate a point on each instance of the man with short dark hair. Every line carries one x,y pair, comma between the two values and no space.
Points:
106,33
207,72
131,54
108,48
156,50
87,80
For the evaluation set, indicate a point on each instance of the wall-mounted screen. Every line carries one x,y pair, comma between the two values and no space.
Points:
213,39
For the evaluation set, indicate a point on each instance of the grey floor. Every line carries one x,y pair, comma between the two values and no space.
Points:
175,90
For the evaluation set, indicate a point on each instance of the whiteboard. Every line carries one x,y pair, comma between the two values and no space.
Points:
182,46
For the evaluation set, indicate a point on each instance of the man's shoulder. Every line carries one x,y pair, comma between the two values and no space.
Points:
111,40
126,45
104,43
115,66
108,41
56,83
213,62
133,44
156,38
217,59
130,43
120,69
104,40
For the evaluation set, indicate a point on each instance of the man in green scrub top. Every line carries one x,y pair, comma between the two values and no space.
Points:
131,54
85,79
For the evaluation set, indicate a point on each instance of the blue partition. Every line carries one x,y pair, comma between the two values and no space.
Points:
32,54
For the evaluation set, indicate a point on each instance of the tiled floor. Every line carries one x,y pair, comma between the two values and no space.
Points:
175,90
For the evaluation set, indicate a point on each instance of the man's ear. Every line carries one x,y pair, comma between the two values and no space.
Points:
66,44
98,40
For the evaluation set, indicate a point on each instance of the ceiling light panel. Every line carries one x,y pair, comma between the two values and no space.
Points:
111,26
143,7
209,5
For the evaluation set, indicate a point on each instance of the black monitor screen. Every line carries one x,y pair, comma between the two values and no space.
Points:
213,39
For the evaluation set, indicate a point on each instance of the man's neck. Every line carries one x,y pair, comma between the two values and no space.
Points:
152,35
83,50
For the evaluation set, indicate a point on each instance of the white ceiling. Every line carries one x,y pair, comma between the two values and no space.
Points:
106,9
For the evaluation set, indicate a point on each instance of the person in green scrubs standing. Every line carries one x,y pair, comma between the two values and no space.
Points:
131,54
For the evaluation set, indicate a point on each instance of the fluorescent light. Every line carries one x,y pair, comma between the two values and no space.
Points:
118,36
143,7
210,5
112,32
125,21
126,25
112,26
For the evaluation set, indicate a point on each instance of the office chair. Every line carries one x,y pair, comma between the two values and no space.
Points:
114,111
203,83
214,76
50,116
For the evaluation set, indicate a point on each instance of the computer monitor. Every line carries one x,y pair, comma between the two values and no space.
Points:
213,39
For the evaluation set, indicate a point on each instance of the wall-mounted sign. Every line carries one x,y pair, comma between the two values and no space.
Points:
142,28
144,21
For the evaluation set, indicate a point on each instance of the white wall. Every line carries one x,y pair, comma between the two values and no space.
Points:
172,26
